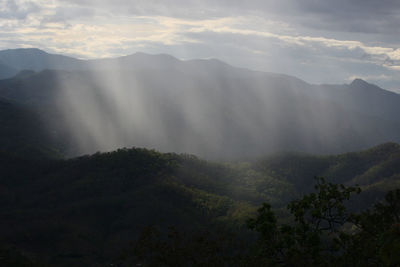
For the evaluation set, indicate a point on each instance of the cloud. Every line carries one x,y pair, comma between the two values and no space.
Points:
11,9
321,41
69,13
364,16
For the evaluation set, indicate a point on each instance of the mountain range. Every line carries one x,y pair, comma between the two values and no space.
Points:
203,107
62,208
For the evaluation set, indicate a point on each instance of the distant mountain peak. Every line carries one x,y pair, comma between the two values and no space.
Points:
361,85
26,50
358,82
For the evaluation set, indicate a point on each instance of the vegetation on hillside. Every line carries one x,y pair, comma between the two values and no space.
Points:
88,210
322,232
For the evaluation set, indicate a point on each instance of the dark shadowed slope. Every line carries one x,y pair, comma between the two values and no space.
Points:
22,132
86,211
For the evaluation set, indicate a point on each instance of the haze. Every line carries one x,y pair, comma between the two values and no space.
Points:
207,83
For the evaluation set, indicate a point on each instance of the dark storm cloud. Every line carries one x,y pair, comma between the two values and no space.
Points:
377,19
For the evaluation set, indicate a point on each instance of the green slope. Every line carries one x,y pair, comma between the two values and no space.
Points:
87,210
376,170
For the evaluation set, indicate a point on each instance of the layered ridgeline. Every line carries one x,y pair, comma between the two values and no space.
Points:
87,211
204,107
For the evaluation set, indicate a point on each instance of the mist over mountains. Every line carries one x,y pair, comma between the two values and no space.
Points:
107,208
204,107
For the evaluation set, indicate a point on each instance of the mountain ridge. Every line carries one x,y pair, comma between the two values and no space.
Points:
138,56
203,107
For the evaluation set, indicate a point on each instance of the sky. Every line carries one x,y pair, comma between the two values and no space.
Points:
319,41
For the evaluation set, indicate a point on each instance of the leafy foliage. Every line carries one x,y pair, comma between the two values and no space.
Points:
324,233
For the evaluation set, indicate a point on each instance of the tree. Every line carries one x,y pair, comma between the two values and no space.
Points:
324,233
376,238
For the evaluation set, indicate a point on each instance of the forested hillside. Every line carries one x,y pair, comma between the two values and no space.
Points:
88,210
376,170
